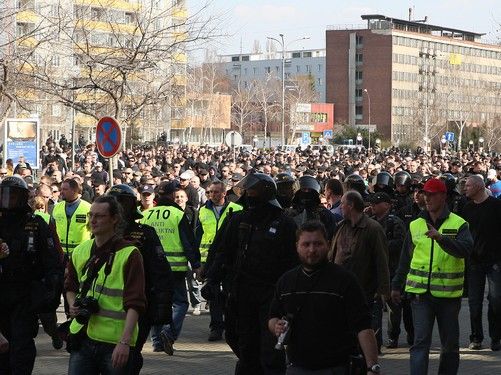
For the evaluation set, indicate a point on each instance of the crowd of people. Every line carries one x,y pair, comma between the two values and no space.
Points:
275,237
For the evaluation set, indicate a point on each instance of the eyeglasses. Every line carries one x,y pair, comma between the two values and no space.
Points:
55,191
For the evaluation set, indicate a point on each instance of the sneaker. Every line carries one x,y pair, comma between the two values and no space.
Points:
495,345
167,343
57,342
215,335
475,345
196,310
392,344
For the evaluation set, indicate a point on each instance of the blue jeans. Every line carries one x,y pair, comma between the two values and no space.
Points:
193,289
425,309
179,309
477,273
94,357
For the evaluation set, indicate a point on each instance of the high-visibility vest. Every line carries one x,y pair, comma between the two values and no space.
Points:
165,220
211,224
432,269
44,215
108,324
74,231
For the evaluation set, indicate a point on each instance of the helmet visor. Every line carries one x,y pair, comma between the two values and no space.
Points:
12,198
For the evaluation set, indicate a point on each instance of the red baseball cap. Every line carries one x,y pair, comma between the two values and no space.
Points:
434,185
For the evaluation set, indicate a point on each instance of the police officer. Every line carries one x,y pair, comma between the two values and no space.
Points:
157,271
70,216
395,230
30,275
178,242
256,248
306,205
212,217
402,196
455,201
384,183
357,183
285,189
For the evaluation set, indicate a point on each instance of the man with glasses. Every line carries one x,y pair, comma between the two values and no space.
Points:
212,216
3,173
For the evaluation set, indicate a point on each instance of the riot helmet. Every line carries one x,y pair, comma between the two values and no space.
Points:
285,189
450,182
308,194
13,194
383,182
403,178
258,188
127,198
357,183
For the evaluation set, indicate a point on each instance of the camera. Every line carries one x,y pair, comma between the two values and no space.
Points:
87,306
284,337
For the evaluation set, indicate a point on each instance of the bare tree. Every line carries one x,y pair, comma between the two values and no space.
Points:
127,65
267,95
243,106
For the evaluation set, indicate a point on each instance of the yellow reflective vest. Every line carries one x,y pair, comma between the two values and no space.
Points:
432,269
210,226
44,215
165,220
74,231
108,324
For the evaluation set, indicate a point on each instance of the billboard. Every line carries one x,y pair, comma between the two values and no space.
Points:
21,138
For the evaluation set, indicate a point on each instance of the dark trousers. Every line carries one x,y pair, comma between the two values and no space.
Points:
395,314
252,341
477,274
19,325
144,328
49,323
216,312
425,309
377,321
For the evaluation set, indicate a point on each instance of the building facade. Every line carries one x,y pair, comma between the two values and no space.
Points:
74,51
252,67
413,80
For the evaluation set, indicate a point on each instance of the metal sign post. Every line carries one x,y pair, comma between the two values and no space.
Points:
108,140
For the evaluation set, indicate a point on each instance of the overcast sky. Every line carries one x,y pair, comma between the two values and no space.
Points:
247,20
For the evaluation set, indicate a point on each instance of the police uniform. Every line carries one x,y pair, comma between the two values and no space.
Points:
30,283
158,282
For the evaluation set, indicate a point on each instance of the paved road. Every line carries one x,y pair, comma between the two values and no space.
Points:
195,356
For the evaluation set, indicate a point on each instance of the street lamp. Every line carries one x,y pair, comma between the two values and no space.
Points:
378,142
470,143
359,138
481,144
369,97
281,42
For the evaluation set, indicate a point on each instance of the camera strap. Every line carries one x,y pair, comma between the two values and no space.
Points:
92,267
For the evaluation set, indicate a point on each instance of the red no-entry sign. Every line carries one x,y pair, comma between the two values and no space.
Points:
108,137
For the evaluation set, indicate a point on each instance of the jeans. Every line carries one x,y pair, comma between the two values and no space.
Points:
179,309
425,309
477,273
94,357
193,289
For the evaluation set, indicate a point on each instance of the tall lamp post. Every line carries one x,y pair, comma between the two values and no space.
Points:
369,130
281,42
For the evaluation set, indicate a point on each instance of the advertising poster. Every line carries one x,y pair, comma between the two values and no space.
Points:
22,139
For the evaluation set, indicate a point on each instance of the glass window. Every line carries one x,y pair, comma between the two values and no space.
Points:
296,55
245,58
235,58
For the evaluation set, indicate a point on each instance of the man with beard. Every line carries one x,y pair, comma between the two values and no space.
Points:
320,343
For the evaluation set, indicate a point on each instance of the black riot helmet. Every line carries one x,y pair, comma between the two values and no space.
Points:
450,182
403,178
384,180
355,182
258,188
13,194
127,198
308,194
285,189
